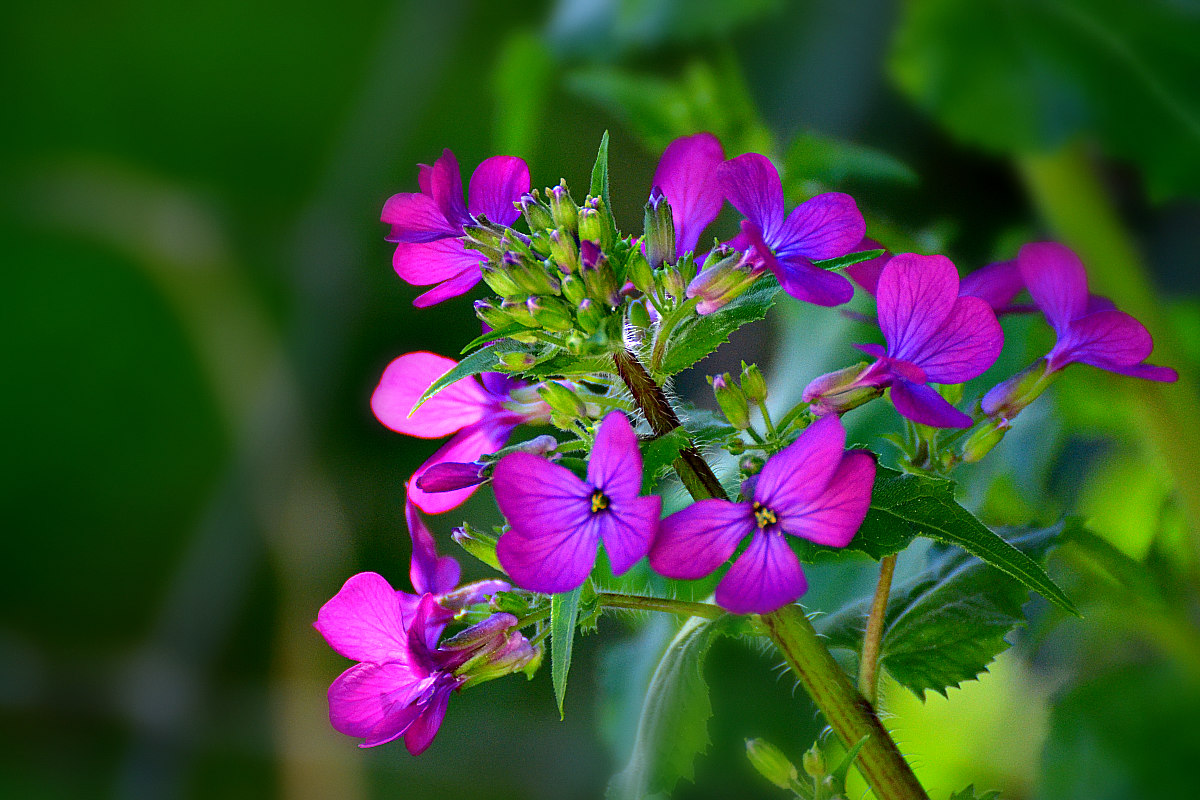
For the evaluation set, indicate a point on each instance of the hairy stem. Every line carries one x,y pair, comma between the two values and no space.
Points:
682,608
868,667
693,470
848,712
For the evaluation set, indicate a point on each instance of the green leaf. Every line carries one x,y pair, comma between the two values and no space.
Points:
832,162
600,187
673,726
563,364
841,262
564,613
969,794
698,336
947,623
486,359
659,454
1022,76
498,333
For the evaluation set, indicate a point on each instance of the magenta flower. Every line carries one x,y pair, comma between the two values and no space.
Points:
1089,329
687,177
933,335
481,417
826,226
427,225
814,489
559,519
866,273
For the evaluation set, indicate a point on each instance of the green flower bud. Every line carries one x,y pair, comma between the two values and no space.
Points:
659,235
639,271
723,279
604,222
494,317
771,763
598,276
590,315
576,343
498,280
563,210
564,251
753,384
532,277
478,543
517,362
639,315
551,313
573,288
981,442
813,762
484,239
732,401
1007,399
537,215
562,400
670,281
591,227
751,464
517,311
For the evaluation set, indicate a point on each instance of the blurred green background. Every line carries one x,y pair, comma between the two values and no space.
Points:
197,302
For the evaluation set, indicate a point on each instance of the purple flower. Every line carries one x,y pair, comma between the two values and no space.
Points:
933,335
1089,329
687,177
558,519
427,225
481,417
813,489
826,226
866,273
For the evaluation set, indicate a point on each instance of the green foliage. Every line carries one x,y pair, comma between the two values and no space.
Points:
946,624
832,162
564,613
969,794
698,336
600,182
841,262
673,726
659,453
485,359
1026,75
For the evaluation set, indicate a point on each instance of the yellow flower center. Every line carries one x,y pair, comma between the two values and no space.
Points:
763,516
599,501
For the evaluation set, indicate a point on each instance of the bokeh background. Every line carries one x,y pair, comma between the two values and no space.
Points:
197,302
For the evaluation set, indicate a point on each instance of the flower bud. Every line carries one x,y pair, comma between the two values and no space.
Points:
492,315
576,343
449,476
840,391
532,277
771,763
564,251
517,362
726,275
639,315
562,400
590,315
537,215
598,276
563,210
732,401
513,654
753,384
659,236
486,634
751,464
604,222
478,543
591,227
471,594
517,311
1007,399
551,313
813,762
639,272
573,288
671,281
485,239
498,280
983,440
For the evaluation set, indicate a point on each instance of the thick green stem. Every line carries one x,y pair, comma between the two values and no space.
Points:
848,712
868,667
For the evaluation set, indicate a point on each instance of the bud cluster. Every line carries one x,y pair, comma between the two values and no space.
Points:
734,397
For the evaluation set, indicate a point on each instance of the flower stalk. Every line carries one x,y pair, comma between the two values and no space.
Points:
868,666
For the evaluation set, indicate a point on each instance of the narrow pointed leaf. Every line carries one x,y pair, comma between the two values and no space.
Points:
485,359
564,613
600,184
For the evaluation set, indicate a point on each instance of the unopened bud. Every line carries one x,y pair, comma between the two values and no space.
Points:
576,343
517,311
517,362
498,280
478,543
551,313
537,215
472,594
604,222
563,210
753,384
450,476
840,391
751,465
981,442
659,236
491,314
598,276
726,275
671,281
1007,399
573,288
813,762
564,251
640,273
590,226
771,763
639,315
732,401
562,400
481,634
590,315
532,276
485,239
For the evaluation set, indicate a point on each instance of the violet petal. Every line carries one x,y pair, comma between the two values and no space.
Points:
496,185
686,175
924,405
764,578
693,542
835,515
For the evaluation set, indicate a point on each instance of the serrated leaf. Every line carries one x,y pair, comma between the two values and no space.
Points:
600,185
564,613
659,454
497,334
947,623
849,259
673,726
832,162
697,336
486,359
969,794
563,364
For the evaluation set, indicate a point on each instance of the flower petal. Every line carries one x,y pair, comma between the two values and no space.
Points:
766,577
433,262
460,404
751,183
470,444
460,284
833,517
915,295
615,466
811,284
693,542
496,185
445,184
428,571
996,284
556,560
363,621
826,226
415,218
1147,372
376,701
924,405
1056,280
686,174
1105,339
963,346
421,733
628,530
796,475
866,273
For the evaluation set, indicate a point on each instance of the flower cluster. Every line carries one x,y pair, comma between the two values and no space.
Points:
584,328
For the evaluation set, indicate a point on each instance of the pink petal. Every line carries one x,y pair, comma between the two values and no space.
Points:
924,405
460,404
751,183
615,466
375,701
996,284
415,218
693,542
496,185
916,294
552,561
445,184
460,284
1104,339
833,517
765,578
866,273
966,343
428,571
433,262
628,530
420,735
796,475
1056,280
470,444
826,226
425,179
686,174
363,621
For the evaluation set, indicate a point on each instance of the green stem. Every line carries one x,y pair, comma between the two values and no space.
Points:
868,667
762,406
848,712
682,608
